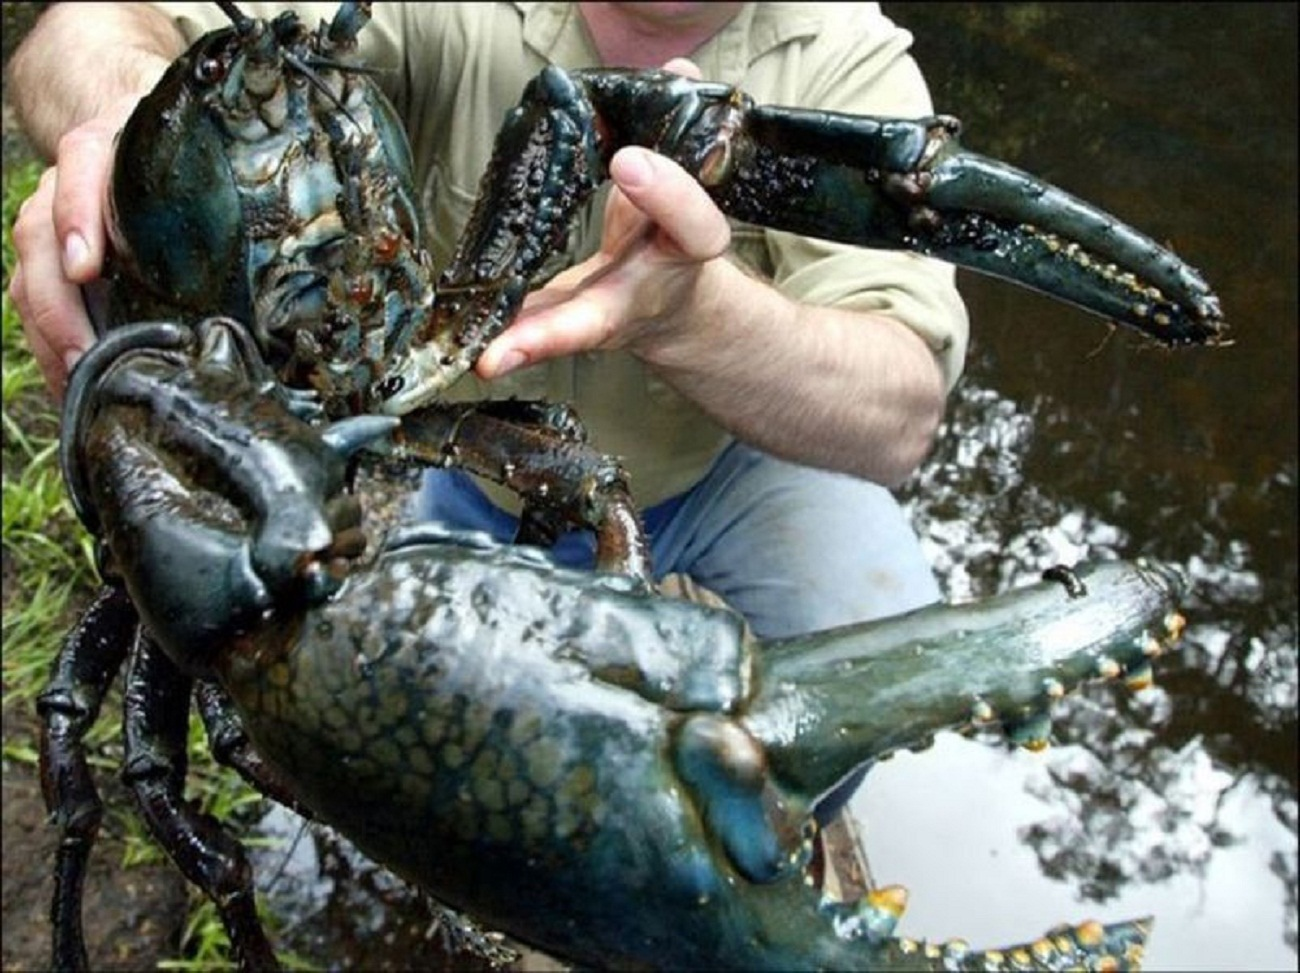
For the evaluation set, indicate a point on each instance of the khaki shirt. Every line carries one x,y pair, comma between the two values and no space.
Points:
454,69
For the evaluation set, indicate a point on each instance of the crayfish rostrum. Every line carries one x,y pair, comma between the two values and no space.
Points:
616,777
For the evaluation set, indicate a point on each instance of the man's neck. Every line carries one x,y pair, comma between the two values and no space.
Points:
633,36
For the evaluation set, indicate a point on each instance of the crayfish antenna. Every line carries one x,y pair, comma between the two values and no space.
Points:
243,23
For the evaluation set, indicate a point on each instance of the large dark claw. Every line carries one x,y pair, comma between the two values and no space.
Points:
1000,661
900,184
229,505
886,183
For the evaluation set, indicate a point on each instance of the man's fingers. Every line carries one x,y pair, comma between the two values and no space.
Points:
45,357
54,363
580,324
685,67
85,161
660,224
674,201
49,305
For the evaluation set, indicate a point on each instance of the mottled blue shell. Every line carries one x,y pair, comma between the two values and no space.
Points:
267,180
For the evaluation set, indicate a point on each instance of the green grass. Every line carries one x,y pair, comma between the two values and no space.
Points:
49,575
46,553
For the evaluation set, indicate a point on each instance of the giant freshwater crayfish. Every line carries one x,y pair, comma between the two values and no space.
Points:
615,777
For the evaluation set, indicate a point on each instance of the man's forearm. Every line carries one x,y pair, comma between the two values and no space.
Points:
120,49
846,390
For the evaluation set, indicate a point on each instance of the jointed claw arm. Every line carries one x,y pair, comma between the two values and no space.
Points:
886,183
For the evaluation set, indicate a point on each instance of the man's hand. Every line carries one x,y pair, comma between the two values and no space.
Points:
849,390
661,233
60,241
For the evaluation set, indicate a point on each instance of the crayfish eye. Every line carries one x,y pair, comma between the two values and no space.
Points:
209,70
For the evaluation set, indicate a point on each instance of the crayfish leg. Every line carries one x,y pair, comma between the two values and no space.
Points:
90,658
154,767
231,747
543,457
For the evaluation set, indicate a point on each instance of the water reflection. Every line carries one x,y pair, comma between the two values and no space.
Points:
991,845
1068,442
1149,803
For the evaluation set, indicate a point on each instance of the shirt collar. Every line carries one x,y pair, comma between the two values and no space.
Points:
555,31
545,23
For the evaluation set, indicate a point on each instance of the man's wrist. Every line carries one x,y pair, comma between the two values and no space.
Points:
724,304
132,46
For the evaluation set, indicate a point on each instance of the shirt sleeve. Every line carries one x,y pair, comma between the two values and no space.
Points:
859,63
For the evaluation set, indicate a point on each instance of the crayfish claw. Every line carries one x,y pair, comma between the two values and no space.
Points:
874,917
344,514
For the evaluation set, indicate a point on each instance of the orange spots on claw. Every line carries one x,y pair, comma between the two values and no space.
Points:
956,948
1140,678
891,899
1090,933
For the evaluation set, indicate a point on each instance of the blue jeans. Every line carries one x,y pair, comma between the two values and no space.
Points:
793,549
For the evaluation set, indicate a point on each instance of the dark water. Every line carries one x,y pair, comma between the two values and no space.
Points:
1065,443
